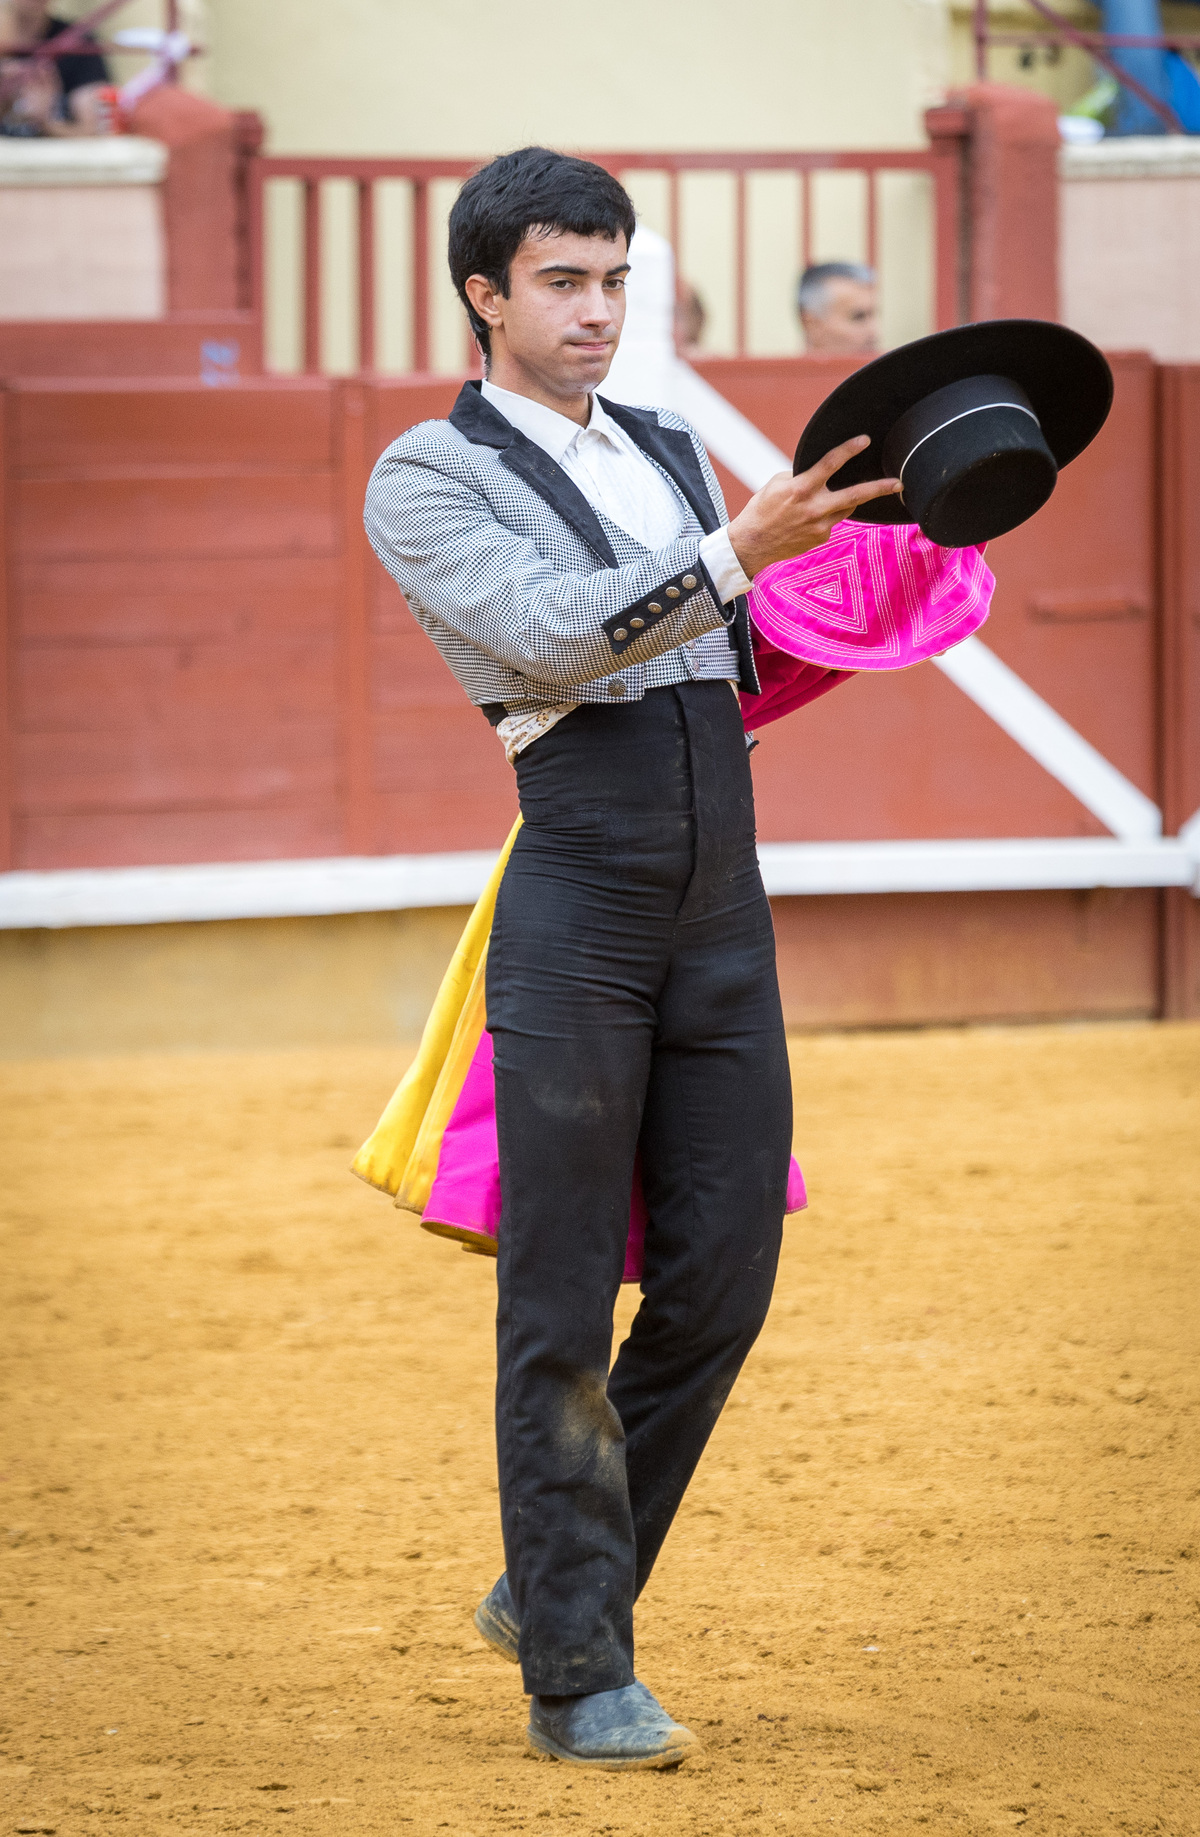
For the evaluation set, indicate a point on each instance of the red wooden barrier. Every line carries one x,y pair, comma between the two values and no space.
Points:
209,664
221,346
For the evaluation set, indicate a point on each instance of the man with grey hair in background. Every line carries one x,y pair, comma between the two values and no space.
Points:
839,308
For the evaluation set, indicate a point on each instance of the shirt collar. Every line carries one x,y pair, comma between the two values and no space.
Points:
553,432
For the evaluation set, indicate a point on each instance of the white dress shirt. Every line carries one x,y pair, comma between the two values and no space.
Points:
617,478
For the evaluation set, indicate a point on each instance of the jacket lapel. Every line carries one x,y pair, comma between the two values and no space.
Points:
669,447
479,422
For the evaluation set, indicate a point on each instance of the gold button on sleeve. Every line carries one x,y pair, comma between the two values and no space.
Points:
689,581
620,633
653,606
637,624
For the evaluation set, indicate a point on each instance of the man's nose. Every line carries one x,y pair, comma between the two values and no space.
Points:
595,308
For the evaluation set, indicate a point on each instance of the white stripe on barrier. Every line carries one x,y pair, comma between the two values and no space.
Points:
1041,863
397,883
242,889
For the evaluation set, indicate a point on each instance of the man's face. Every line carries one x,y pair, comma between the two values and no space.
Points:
850,321
562,318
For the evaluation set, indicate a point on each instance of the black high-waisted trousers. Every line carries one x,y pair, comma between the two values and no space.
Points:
632,996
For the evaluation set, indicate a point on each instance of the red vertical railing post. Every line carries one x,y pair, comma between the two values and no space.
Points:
312,275
257,228
1179,672
352,402
948,162
740,261
366,274
980,23
420,274
7,629
949,131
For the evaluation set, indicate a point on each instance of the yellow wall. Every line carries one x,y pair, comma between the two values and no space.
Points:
468,78
472,76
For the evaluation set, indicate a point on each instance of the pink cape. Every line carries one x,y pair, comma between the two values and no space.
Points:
874,597
466,1188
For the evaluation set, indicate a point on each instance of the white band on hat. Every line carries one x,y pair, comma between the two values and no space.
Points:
982,408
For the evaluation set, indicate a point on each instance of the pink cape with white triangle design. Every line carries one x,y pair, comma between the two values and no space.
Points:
874,597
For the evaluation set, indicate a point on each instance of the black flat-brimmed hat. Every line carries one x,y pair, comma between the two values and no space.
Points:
975,422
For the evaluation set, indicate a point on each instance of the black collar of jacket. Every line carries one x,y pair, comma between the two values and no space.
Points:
477,420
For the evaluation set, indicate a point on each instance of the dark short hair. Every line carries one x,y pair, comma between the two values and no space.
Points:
532,189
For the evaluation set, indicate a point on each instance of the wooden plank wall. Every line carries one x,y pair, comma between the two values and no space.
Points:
207,663
179,561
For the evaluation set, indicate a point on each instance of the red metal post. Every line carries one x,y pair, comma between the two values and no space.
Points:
354,402
673,215
1179,671
740,262
256,182
981,40
806,235
949,130
1013,202
312,276
420,274
872,178
366,274
7,633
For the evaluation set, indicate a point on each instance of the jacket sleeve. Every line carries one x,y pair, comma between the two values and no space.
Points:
446,550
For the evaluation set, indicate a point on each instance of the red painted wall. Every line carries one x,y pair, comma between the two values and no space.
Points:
207,663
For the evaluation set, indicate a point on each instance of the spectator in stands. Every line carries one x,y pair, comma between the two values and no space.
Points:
691,317
59,96
839,308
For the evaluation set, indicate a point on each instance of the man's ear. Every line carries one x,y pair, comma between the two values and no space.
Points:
483,297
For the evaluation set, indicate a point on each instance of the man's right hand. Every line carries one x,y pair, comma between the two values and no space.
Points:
790,515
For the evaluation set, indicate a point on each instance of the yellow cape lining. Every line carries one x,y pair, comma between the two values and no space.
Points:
401,1155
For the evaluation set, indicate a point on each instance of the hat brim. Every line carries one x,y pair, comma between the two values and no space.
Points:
1067,380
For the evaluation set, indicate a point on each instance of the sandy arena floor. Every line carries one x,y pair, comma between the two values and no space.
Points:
940,1568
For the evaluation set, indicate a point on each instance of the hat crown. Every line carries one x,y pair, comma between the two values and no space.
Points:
971,395
972,460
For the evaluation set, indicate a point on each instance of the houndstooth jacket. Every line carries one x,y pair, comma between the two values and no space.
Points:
532,596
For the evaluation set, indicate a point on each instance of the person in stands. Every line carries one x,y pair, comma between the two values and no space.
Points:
838,306
56,96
